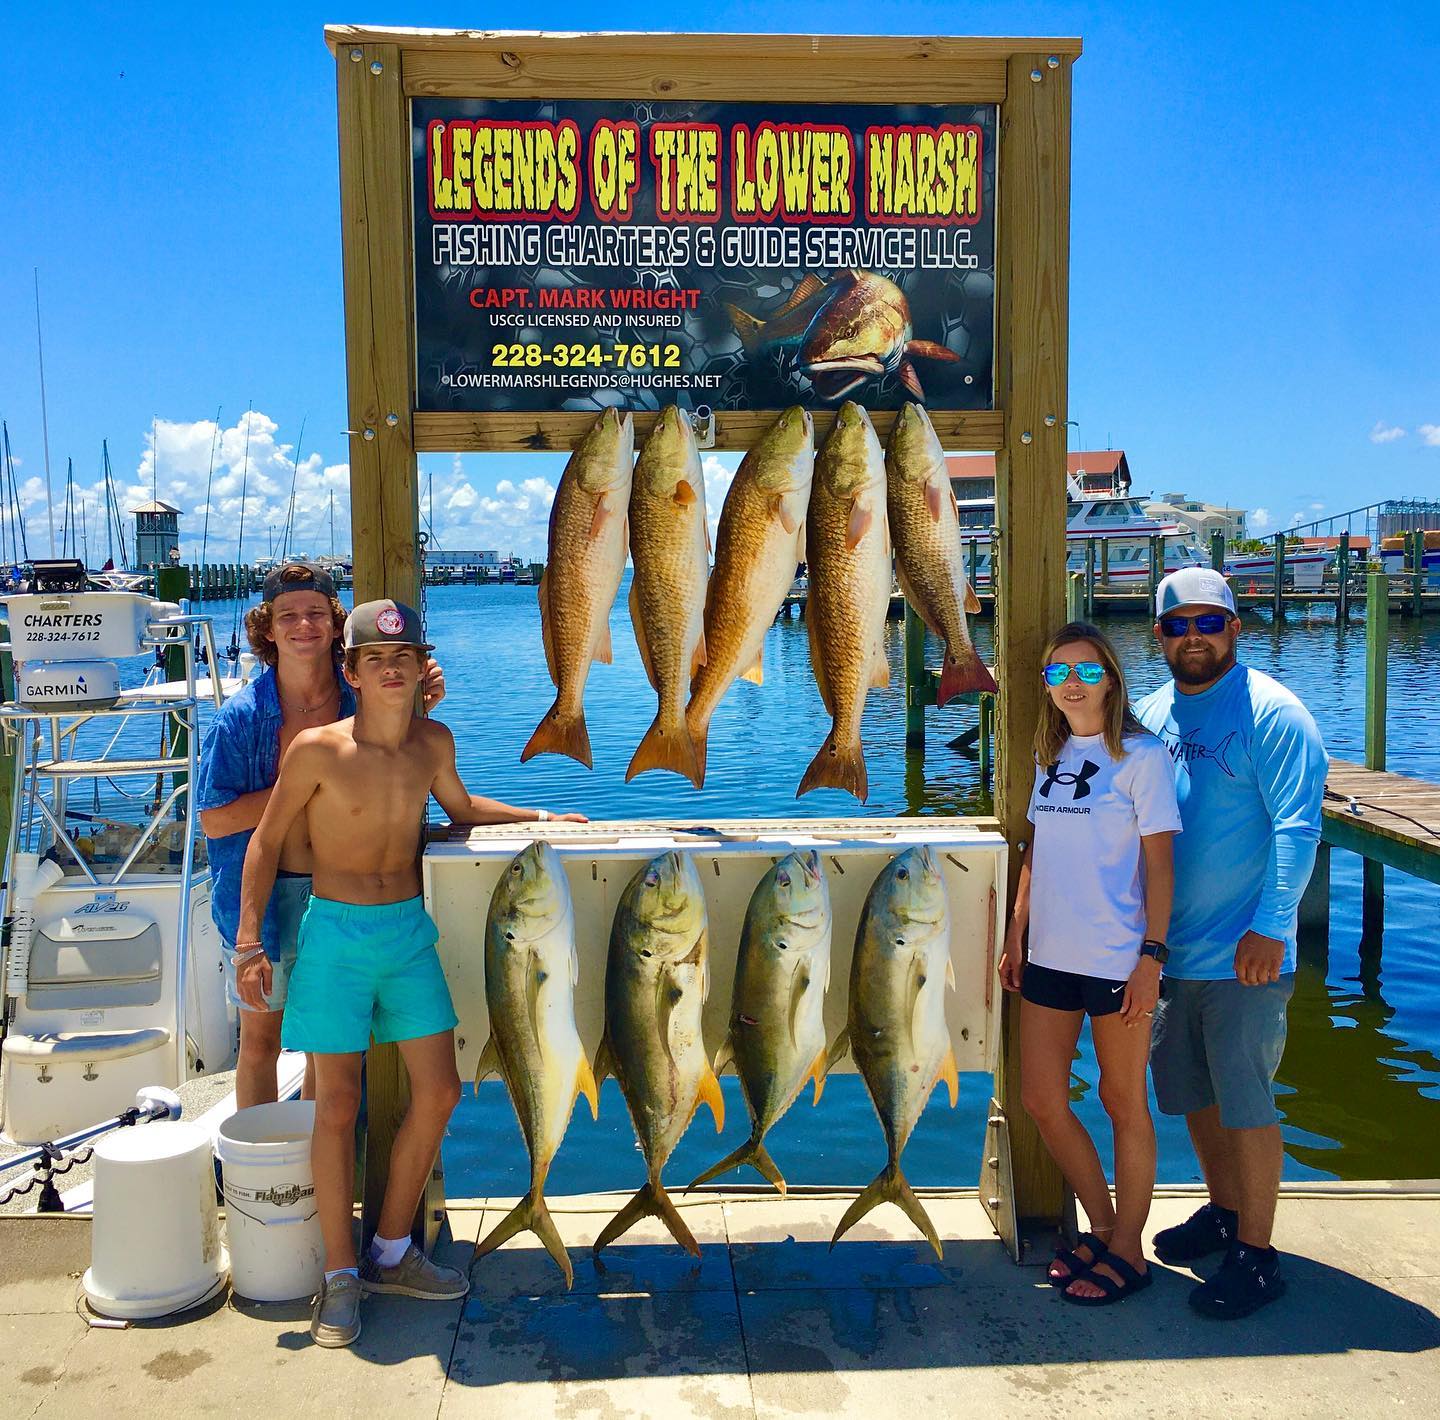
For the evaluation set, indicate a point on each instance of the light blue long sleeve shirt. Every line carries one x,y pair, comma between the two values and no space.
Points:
1249,778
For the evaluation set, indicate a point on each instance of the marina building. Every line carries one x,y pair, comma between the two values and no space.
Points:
157,534
1200,519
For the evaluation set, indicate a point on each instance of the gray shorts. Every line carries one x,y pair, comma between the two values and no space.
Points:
292,893
1220,1042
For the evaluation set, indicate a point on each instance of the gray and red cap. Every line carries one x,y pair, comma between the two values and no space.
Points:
384,623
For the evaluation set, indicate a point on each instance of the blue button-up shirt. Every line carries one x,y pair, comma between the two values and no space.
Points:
239,755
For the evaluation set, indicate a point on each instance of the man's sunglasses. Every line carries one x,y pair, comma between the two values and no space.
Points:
1058,672
1211,623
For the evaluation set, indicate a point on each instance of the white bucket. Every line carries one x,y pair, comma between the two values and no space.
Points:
276,1252
155,1242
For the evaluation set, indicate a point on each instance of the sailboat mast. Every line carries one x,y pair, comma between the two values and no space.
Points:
332,522
109,529
44,416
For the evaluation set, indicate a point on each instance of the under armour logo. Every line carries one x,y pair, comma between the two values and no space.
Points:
1080,780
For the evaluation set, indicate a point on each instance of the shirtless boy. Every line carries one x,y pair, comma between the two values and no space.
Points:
367,963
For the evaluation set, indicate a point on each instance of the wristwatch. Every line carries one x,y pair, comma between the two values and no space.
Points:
1158,950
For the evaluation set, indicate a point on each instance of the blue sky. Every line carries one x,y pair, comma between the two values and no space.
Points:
1255,248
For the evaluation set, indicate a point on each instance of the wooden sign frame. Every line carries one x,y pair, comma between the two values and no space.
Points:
379,70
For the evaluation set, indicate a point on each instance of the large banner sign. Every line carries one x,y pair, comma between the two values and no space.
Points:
571,255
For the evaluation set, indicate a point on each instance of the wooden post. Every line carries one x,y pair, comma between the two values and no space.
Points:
1278,593
975,565
1377,645
1342,605
1090,579
1074,597
171,584
1417,572
375,181
1314,921
1217,550
914,680
985,737
1105,562
1156,568
1028,559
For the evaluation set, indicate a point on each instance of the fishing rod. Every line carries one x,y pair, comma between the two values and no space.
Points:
201,655
290,510
233,650
112,505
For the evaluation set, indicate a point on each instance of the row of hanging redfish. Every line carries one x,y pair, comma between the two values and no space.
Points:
699,630
656,980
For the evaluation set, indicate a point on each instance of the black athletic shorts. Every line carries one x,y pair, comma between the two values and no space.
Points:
1069,991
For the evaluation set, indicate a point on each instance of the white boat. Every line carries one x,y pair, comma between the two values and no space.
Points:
113,976
1126,529
1393,559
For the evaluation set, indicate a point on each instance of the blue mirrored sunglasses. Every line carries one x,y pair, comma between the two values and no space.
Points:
1210,623
1058,672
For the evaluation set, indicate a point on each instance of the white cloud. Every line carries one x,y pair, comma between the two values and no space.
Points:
1317,507
1259,518
1431,434
1384,433
718,477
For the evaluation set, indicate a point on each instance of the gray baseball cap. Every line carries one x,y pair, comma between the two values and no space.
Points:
1193,586
384,623
314,579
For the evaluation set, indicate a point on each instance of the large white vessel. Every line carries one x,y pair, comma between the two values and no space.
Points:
1121,523
113,976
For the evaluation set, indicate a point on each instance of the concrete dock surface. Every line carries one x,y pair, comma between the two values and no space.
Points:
768,1323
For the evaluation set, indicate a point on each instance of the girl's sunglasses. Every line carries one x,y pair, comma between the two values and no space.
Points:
1212,623
1058,672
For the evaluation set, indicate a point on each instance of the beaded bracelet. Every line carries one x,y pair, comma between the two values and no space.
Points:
240,958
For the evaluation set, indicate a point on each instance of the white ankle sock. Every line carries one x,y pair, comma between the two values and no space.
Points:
387,1252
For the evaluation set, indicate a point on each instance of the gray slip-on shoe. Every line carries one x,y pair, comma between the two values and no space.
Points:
415,1275
335,1320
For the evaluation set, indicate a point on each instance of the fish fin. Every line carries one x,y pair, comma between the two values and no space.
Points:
862,515
750,329
837,768
839,1049
585,1085
530,1214
950,973
880,671
819,1072
709,1093
725,1056
604,652
752,1152
791,517
640,638
950,1074
916,602
890,1187
545,633
604,511
972,602
684,494
961,673
910,378
488,1063
604,1062
755,671
934,499
651,1202
914,990
799,985
700,656
666,746
667,993
809,285
534,979
817,664
930,350
560,734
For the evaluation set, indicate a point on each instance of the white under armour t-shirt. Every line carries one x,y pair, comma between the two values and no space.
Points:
1087,891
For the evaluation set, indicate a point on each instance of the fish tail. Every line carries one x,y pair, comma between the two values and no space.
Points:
749,328
530,1214
752,1152
890,1187
651,1202
560,733
962,672
837,767
699,743
667,745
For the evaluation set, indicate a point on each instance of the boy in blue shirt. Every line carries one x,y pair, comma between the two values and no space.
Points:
1250,776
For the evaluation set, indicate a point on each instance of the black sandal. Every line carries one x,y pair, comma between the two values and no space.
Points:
1130,1282
1078,1267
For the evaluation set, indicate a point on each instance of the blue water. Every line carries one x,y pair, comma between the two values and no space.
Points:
1360,1080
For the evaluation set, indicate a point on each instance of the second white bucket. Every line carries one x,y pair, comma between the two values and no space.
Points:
276,1253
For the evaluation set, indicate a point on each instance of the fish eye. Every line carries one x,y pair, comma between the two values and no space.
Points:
899,941
784,946
902,872
509,936
515,868
646,952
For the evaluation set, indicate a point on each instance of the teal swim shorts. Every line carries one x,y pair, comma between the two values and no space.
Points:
365,970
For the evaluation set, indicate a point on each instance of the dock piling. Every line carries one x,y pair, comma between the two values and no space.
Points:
1377,644
915,680
1089,580
1217,550
1279,590
1342,604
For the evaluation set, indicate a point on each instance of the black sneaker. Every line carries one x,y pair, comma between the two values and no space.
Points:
1248,1279
1210,1229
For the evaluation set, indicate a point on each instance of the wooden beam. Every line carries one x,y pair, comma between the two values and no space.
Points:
1031,380
560,432
379,322
384,504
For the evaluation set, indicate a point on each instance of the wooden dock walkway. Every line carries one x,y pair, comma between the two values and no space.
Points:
1391,818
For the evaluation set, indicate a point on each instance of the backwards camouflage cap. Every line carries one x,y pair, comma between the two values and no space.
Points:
384,623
